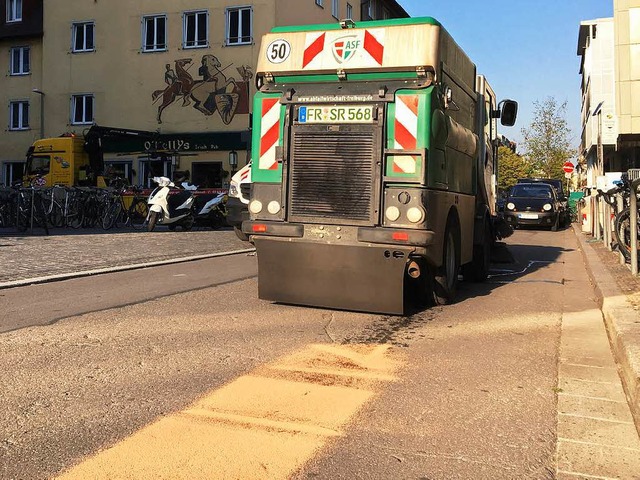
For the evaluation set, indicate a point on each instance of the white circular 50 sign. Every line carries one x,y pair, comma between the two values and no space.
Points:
278,51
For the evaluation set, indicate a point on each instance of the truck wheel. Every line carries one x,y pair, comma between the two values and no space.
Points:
153,219
478,269
240,234
445,282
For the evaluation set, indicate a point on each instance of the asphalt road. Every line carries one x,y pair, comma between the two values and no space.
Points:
46,303
214,383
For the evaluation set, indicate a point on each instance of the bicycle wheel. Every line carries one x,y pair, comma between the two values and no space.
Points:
111,215
75,213
39,214
138,212
23,212
622,232
90,209
55,216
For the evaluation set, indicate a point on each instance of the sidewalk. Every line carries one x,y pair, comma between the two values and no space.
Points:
70,253
619,297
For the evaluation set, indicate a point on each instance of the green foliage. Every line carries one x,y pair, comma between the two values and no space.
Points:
511,167
547,145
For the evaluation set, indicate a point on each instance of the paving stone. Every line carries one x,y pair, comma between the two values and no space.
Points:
71,251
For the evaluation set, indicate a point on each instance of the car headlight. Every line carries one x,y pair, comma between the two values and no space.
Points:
511,206
546,207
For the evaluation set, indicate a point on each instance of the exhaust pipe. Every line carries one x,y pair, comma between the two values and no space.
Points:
413,270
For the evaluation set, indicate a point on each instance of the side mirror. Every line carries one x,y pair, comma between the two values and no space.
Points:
508,112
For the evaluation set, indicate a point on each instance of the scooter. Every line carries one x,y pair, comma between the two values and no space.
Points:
213,213
175,209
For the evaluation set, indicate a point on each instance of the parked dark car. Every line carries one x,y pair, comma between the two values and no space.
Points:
565,215
534,204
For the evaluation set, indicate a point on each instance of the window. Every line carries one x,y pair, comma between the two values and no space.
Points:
14,10
120,169
149,167
349,11
207,174
19,115
335,8
319,3
83,37
195,34
154,33
20,61
239,26
81,109
13,172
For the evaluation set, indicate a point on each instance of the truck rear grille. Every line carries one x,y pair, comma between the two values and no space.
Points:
332,176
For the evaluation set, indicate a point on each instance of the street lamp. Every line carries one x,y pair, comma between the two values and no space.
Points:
41,93
233,161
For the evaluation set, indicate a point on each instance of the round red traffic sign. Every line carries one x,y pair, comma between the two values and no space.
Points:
568,167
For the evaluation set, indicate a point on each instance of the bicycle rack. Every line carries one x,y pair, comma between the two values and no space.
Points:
634,177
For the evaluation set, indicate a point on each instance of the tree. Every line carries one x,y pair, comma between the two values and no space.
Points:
511,167
546,140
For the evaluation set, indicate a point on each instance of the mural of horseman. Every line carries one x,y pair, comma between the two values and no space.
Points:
214,93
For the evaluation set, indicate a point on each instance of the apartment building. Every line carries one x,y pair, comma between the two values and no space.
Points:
184,69
598,109
610,67
21,30
626,16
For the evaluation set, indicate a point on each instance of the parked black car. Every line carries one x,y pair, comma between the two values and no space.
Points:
534,204
565,215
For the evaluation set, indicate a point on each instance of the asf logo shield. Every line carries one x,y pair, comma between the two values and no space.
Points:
345,48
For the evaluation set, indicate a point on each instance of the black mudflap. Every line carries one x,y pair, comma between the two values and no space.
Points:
349,277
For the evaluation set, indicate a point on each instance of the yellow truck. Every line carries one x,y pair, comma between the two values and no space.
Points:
72,160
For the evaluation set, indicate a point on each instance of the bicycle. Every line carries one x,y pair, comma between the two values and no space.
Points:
30,210
622,219
135,215
138,210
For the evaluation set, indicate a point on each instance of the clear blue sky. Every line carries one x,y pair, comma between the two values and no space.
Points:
525,48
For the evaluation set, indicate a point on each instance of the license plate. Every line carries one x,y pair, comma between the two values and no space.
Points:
335,114
528,216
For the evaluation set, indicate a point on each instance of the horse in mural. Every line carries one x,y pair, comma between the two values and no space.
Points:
215,92
180,84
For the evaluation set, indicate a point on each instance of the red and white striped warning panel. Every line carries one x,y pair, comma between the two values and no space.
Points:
406,132
339,49
269,133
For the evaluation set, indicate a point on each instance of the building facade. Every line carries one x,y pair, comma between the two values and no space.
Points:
610,67
21,31
182,69
598,106
626,15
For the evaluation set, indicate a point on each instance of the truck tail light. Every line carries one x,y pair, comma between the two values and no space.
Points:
400,236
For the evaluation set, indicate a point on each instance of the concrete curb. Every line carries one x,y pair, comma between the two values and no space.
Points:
121,268
622,323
